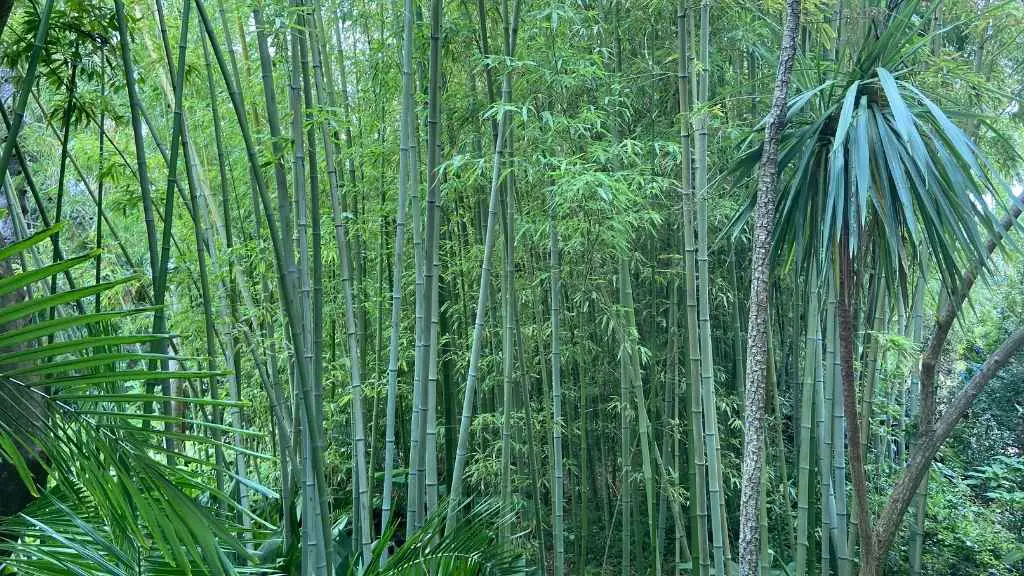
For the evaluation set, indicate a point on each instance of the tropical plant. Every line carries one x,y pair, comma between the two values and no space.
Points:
873,161
111,497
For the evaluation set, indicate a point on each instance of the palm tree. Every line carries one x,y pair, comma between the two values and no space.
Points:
873,158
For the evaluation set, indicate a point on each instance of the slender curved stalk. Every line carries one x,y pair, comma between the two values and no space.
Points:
840,529
69,109
140,152
716,496
29,80
920,501
232,351
644,424
508,365
825,400
99,198
462,449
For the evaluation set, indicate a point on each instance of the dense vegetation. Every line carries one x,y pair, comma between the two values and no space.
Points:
511,286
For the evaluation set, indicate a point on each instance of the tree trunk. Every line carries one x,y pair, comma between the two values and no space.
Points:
846,345
759,317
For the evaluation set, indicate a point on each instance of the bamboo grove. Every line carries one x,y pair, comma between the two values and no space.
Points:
507,286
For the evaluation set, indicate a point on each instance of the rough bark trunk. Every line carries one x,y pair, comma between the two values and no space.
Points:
757,336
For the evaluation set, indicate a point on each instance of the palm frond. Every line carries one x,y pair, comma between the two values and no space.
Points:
117,499
882,160
472,549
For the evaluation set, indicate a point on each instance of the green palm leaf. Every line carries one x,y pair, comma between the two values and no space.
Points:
111,504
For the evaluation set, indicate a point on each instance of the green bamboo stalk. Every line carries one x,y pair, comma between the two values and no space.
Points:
232,351
585,474
531,446
508,297
99,200
780,454
811,361
716,497
670,418
739,371
210,340
625,428
313,558
139,139
405,180
69,109
875,363
868,383
835,430
877,311
314,212
428,462
430,449
697,464
346,144
644,423
682,548
417,464
161,270
667,394
840,529
825,379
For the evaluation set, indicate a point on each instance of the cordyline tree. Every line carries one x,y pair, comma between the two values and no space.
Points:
880,175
